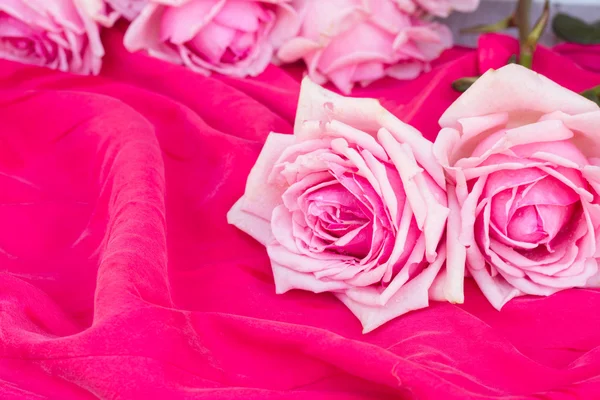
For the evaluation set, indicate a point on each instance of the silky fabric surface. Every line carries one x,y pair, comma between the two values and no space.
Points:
120,277
587,56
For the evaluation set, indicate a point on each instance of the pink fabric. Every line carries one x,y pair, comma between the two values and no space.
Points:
122,279
587,56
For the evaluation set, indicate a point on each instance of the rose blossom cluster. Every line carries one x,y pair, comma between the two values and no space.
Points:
342,41
361,205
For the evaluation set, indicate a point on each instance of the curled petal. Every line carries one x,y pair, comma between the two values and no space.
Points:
261,198
514,89
496,289
456,257
468,212
408,170
318,104
502,141
412,296
287,279
255,226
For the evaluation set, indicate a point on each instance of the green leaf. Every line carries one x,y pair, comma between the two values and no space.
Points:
575,30
461,85
592,94
503,24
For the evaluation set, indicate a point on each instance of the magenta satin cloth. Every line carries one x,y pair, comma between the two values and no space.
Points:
587,56
120,277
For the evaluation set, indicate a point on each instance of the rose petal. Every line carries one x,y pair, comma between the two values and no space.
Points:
287,279
318,104
412,296
356,137
408,169
496,289
180,24
255,226
415,259
585,124
467,214
514,89
504,140
590,268
526,226
261,198
421,147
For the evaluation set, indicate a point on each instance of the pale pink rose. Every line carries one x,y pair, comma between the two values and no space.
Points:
524,153
439,8
353,203
359,41
106,12
57,34
232,37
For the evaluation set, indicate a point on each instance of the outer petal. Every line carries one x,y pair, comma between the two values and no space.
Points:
318,104
413,295
296,48
97,10
496,289
260,198
512,89
456,257
287,279
144,33
129,9
255,226
585,125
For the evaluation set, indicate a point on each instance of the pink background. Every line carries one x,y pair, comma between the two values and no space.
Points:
121,278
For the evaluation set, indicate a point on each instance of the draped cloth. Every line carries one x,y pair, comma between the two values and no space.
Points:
120,277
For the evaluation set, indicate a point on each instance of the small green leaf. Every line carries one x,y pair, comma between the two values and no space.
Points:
575,30
461,85
592,94
503,24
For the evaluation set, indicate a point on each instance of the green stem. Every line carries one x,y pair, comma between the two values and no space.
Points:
522,15
533,37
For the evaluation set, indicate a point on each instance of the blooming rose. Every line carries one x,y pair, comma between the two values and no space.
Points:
106,12
439,8
353,203
56,34
523,154
233,37
350,41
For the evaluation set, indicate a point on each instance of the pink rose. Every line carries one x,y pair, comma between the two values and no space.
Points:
353,203
106,12
232,37
129,9
350,41
524,153
439,8
55,34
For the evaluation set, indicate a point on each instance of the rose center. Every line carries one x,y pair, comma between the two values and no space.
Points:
338,219
533,213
